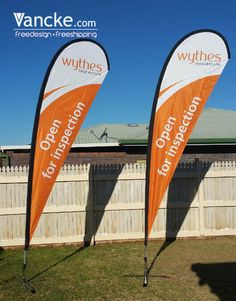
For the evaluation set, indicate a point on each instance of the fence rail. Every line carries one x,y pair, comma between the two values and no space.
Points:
106,202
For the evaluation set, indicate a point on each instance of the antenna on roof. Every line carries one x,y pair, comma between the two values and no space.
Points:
104,134
92,132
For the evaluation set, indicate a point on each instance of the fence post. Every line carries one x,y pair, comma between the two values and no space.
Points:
91,201
89,237
200,196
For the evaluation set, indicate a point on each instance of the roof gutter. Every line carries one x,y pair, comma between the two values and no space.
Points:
76,145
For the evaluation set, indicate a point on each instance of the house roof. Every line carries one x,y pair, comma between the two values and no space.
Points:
108,133
213,126
216,124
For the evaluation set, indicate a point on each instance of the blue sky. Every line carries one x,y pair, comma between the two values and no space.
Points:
137,35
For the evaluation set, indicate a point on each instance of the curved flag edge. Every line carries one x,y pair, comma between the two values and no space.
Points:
35,129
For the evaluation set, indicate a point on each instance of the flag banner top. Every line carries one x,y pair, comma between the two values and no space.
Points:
187,79
69,88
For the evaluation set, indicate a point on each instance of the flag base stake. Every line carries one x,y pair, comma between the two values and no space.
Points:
23,279
145,276
26,284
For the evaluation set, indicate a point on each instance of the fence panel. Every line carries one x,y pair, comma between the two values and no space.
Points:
106,202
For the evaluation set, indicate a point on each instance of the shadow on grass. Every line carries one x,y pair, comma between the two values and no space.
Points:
151,276
16,277
181,190
57,263
220,277
163,247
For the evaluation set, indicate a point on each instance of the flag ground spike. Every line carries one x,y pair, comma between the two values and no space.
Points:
145,276
23,279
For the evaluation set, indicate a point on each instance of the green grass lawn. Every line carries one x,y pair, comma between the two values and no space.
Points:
189,270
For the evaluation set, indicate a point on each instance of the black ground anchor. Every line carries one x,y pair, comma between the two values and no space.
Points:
145,278
26,284
23,279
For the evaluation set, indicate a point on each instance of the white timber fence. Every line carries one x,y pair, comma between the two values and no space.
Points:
106,202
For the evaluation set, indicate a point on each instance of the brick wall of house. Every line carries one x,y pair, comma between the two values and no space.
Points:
122,157
210,157
22,159
18,159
